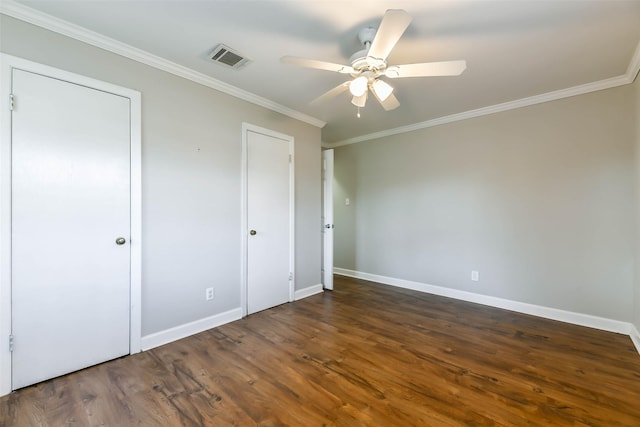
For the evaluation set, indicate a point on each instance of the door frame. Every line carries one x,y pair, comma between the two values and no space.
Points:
244,217
327,219
7,64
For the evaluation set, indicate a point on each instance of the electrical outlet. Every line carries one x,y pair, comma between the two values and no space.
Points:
475,276
209,294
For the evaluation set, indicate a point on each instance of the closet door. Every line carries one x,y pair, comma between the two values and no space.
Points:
269,200
70,227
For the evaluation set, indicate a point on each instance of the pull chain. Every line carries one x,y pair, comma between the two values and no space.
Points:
358,115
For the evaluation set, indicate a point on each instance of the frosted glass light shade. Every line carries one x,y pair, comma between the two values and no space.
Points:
358,86
359,101
381,89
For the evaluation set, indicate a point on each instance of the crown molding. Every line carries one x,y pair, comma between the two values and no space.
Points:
627,78
492,109
35,17
634,65
32,16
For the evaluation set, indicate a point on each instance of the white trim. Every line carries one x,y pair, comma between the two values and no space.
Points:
173,334
634,65
244,226
627,78
327,218
135,239
520,307
492,109
635,337
307,292
292,217
7,63
5,227
33,16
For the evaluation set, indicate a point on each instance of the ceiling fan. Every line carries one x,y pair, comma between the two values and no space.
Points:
370,64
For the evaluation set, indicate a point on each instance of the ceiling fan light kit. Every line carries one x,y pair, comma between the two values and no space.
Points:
358,86
359,101
382,89
370,64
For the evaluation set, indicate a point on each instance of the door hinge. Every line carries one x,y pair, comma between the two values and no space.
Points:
11,101
290,158
10,343
290,276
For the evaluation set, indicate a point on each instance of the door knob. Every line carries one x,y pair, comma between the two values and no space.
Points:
253,232
121,241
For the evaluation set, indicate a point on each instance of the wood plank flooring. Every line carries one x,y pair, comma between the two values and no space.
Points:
362,355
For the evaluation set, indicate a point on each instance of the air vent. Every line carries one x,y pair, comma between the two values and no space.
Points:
226,56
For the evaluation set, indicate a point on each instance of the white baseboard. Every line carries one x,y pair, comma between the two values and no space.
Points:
164,337
588,320
307,292
635,337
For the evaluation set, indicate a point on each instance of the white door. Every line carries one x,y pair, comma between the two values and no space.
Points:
70,202
269,202
327,219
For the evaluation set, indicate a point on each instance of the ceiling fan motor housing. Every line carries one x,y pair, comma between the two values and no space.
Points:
360,61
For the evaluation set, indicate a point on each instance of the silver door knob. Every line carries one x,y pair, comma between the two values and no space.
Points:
121,241
253,232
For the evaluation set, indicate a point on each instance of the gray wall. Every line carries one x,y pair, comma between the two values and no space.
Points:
540,200
344,186
191,153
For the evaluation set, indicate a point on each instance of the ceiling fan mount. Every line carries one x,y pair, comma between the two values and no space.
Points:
370,64
359,59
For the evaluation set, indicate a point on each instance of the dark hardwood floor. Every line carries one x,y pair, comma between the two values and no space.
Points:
364,354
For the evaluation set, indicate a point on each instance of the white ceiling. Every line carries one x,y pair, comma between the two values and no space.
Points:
514,49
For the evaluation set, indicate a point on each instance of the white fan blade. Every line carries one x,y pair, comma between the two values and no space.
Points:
320,65
332,93
391,103
427,69
393,25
